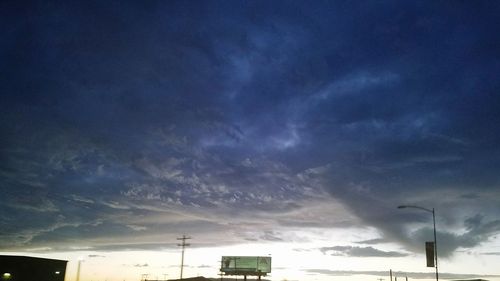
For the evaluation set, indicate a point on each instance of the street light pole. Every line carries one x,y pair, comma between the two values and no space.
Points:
435,237
435,242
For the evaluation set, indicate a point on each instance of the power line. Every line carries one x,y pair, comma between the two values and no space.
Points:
183,245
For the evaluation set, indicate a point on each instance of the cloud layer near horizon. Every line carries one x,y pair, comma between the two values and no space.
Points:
124,124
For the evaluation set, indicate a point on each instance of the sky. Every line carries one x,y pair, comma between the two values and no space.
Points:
290,129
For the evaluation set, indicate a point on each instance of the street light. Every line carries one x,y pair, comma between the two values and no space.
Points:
434,223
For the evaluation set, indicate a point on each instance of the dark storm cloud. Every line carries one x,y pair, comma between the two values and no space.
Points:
209,115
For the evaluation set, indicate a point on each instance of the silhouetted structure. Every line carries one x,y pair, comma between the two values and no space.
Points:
183,245
23,268
198,278
201,278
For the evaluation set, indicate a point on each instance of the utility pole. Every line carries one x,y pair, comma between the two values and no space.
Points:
183,245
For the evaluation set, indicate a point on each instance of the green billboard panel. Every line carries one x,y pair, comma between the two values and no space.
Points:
245,265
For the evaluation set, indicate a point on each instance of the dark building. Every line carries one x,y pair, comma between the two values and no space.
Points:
22,268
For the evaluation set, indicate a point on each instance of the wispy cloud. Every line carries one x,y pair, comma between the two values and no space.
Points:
355,251
413,275
373,241
491,253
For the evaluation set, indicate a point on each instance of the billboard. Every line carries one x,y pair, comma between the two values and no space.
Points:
245,265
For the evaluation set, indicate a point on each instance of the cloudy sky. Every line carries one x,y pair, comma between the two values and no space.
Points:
284,128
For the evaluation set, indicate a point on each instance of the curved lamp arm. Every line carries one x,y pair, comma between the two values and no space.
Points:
415,207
